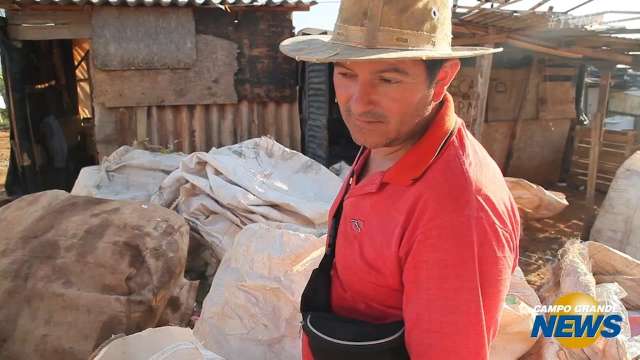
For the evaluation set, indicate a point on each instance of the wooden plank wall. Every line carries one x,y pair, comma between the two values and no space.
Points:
547,111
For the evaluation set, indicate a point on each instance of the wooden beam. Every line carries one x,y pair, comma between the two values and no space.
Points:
543,49
26,32
288,8
39,17
615,13
606,55
596,133
619,31
477,40
461,29
607,41
508,3
578,6
49,25
620,20
470,27
473,9
534,7
534,41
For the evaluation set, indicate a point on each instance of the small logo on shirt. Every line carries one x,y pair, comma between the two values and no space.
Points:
356,225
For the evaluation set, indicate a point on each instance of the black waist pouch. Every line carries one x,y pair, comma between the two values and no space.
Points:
333,337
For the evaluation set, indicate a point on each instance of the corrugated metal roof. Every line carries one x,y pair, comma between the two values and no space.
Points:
291,3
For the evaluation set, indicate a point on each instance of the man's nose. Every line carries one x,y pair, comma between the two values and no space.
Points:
362,99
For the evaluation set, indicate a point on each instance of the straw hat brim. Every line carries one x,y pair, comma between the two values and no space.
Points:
320,48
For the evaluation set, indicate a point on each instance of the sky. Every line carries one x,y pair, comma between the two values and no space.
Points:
324,14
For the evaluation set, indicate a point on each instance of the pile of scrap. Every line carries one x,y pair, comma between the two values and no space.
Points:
113,261
240,224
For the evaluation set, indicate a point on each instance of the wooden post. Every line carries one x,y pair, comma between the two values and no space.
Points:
529,88
483,71
596,133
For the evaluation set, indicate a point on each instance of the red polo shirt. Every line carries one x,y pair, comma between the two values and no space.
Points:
432,240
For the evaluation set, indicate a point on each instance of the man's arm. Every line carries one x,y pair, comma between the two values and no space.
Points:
456,274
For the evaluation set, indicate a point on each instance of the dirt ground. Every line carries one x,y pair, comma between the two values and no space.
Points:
4,157
542,239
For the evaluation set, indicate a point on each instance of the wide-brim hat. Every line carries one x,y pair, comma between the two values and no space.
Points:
385,30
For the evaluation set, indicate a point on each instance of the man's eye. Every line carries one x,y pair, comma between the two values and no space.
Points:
389,81
346,75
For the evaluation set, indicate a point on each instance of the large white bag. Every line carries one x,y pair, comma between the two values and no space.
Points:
618,221
126,174
513,339
256,181
169,342
534,201
252,310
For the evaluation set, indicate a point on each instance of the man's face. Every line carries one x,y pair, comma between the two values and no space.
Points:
383,103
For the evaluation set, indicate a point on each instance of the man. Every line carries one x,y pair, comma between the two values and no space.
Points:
428,232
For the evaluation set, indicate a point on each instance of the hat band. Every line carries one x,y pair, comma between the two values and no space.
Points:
388,38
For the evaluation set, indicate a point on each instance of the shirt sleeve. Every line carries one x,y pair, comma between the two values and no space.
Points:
456,274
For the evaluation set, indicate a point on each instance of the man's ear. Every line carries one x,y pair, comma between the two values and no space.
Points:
446,75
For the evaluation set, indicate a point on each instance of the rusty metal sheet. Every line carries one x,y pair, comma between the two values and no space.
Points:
197,127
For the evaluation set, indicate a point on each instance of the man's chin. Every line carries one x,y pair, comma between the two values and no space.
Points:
368,143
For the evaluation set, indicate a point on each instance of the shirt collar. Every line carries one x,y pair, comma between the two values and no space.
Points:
418,159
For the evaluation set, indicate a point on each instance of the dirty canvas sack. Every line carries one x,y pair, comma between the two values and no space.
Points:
75,270
514,330
534,201
618,221
127,174
612,266
255,181
252,310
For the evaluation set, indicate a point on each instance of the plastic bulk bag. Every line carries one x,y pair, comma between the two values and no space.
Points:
162,343
618,221
252,310
534,201
256,181
127,174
